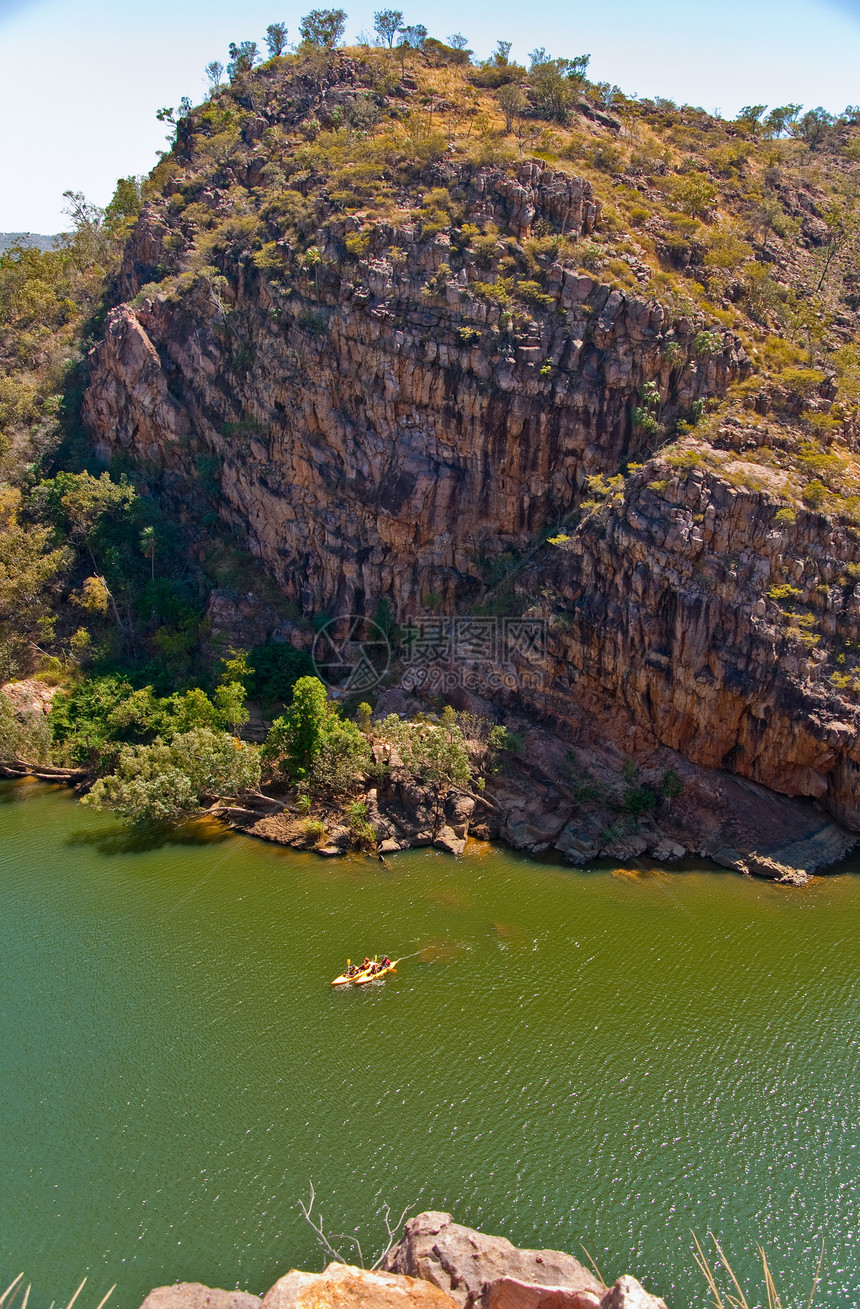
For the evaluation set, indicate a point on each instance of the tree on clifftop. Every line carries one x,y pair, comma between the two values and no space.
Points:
243,57
276,39
321,29
386,24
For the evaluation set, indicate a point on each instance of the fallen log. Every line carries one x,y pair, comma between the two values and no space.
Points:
44,772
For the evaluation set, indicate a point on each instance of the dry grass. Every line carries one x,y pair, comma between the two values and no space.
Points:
8,1296
736,1298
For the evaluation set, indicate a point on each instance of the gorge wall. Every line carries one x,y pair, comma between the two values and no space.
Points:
376,431
374,422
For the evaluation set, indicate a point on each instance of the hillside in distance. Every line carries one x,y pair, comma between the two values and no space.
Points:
10,239
433,342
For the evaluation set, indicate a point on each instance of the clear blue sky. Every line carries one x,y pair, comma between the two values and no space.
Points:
82,79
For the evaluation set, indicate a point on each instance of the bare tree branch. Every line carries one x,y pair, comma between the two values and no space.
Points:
391,1230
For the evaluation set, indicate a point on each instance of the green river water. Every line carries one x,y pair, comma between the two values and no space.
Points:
585,1056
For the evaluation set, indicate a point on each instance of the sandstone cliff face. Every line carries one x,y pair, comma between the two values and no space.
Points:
660,621
378,427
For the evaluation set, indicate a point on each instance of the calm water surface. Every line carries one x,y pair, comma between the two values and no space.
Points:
582,1057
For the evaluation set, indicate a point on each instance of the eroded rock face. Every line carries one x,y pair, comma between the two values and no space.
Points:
373,428
376,428
663,630
466,1264
29,697
344,1287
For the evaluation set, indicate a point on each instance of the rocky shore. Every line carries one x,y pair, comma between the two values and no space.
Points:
545,801
438,1264
579,806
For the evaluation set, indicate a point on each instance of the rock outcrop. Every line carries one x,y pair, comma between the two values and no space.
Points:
665,609
467,1264
193,1295
437,1265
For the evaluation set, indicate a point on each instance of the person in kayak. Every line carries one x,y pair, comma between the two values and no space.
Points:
386,962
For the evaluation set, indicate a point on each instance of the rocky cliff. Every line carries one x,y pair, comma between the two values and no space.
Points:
408,408
377,432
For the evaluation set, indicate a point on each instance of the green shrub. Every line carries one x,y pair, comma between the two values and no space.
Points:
692,193
358,244
646,422
166,782
814,494
497,292
671,786
531,294
637,797
312,743
356,813
433,751
708,343
784,591
314,830
685,460
805,382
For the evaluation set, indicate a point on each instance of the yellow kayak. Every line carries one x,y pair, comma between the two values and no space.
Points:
370,976
353,972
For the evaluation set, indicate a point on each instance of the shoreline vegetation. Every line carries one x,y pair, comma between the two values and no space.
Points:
327,780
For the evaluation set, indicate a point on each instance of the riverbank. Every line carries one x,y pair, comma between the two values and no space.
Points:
430,781
581,808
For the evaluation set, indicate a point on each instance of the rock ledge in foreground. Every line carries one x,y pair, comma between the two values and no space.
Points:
437,1265
489,1271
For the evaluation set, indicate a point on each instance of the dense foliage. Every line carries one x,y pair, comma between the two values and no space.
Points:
169,780
313,744
94,721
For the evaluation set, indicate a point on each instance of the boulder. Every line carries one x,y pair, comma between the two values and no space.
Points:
344,1287
192,1295
511,1293
448,840
467,1264
627,1293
